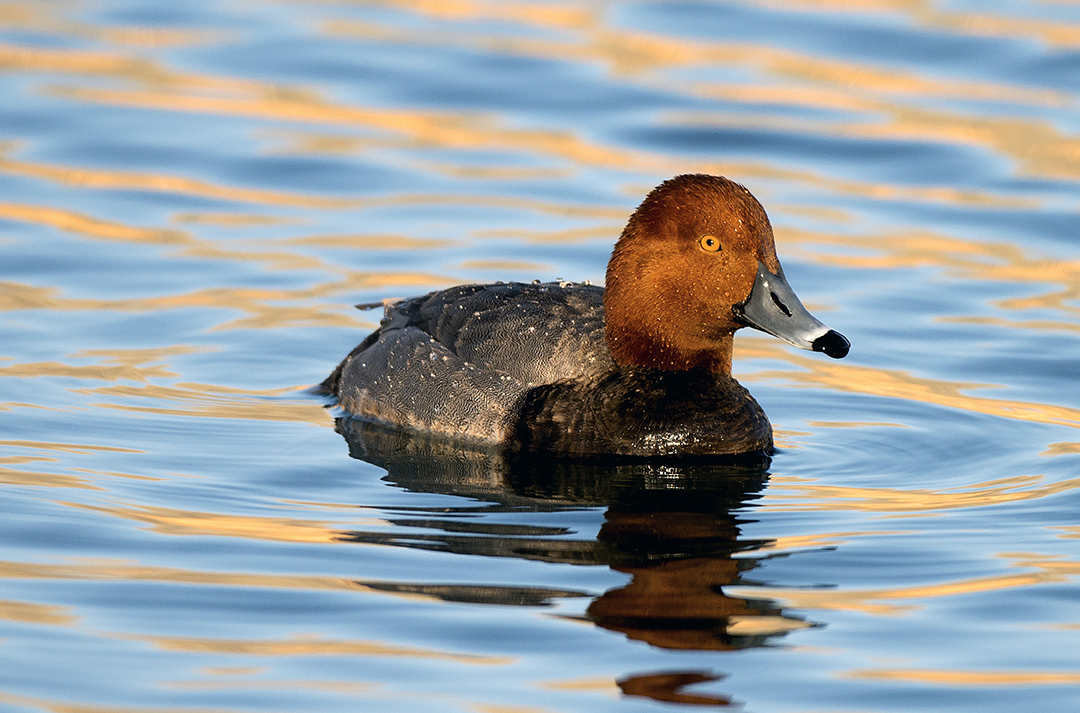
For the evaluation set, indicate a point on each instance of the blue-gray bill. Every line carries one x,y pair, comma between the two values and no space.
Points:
774,308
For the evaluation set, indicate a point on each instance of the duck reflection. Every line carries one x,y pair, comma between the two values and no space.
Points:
668,525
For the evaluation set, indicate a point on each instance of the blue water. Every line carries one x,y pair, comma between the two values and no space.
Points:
193,196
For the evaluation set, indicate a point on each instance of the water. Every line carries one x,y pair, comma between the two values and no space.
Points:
193,195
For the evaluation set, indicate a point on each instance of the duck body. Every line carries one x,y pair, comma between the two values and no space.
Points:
641,367
527,367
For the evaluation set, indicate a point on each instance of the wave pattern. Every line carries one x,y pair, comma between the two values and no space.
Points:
193,196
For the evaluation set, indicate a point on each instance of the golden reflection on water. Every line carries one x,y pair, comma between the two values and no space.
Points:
40,479
124,571
232,220
42,17
1041,149
893,601
790,493
554,16
211,401
265,309
101,179
36,613
969,678
1035,145
65,706
794,543
501,265
610,231
878,104
68,447
309,646
964,259
438,128
600,685
143,367
361,241
114,365
88,226
273,684
1058,449
893,383
171,521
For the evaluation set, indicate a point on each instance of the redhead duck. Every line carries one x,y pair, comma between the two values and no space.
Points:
641,367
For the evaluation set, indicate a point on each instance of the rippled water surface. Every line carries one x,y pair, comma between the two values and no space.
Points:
194,194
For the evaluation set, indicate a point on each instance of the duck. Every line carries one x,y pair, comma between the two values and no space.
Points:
640,367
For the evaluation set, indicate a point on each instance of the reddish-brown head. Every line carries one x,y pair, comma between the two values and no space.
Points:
688,255
695,263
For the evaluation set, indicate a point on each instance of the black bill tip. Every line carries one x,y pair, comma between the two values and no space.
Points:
833,344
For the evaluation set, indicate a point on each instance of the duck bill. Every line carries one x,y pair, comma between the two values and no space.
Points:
773,308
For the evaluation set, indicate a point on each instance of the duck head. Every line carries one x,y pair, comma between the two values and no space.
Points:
695,263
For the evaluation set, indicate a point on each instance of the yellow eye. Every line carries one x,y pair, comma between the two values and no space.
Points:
709,243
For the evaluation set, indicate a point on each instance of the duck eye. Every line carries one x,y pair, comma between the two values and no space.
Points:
709,243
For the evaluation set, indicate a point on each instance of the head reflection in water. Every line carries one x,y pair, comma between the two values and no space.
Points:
668,526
